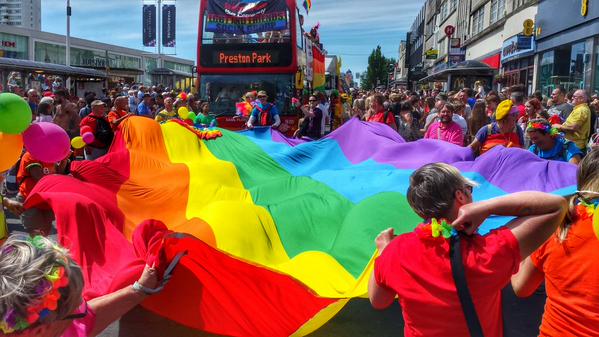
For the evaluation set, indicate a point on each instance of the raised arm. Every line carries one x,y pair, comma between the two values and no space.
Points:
538,216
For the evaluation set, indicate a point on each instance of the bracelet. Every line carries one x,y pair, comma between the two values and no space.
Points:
137,287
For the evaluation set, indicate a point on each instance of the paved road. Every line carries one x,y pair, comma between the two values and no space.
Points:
522,318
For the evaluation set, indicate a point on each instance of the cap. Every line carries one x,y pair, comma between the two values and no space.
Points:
504,109
97,102
147,95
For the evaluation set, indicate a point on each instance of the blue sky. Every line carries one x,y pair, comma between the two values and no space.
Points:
350,28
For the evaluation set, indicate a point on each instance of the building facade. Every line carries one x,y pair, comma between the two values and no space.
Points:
568,48
414,50
21,13
120,64
487,31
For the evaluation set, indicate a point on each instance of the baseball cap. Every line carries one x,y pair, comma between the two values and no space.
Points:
98,102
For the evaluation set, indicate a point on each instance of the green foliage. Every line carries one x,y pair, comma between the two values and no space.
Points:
378,69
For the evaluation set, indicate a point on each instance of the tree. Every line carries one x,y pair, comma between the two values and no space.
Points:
378,69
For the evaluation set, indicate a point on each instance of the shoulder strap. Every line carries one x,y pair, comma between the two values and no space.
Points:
461,284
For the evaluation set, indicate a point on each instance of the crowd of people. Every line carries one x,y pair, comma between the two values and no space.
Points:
560,127
557,128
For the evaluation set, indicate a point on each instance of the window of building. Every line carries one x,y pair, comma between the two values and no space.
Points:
518,3
478,20
444,10
497,10
452,5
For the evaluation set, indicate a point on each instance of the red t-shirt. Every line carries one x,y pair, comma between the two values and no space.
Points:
380,117
571,271
93,123
24,177
419,271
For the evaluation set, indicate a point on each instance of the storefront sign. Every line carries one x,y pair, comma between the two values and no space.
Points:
431,54
247,55
8,44
517,46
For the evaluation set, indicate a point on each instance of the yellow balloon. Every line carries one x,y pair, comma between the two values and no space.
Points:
11,147
77,142
183,112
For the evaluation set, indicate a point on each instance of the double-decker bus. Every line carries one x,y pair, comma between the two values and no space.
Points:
244,46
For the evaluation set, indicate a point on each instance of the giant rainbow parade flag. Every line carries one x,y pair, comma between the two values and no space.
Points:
278,232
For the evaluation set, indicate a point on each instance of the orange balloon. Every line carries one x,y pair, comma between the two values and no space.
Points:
11,147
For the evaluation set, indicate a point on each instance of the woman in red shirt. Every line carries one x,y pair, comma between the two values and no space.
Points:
379,113
569,264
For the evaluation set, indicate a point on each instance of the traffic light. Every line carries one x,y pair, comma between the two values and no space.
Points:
529,26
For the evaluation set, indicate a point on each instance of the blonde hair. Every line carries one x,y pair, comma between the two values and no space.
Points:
587,182
23,265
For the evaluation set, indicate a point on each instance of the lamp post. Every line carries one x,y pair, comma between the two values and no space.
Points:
68,45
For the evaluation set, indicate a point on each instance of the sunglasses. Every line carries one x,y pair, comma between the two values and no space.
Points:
262,96
311,100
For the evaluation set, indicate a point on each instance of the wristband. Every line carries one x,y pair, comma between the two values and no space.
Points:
137,287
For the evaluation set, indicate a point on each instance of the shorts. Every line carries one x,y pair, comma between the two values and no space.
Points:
35,220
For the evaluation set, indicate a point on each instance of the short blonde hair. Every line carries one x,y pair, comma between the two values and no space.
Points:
23,266
432,189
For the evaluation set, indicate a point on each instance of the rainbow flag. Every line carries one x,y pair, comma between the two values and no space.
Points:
279,232
307,6
318,77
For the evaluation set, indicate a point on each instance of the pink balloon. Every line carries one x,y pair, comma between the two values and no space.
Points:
47,142
88,138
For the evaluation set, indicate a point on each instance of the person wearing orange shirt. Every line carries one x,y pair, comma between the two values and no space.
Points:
569,264
119,112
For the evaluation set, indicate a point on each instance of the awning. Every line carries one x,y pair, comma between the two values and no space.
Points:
169,72
57,69
493,61
466,68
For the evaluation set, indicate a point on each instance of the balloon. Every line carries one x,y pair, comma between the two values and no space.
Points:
47,142
85,129
88,138
15,114
183,112
191,116
77,142
189,122
11,146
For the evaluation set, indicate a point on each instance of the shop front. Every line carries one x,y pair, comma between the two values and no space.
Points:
567,49
517,62
14,46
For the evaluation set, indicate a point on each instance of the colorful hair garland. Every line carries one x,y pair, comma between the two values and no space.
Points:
545,128
48,291
435,229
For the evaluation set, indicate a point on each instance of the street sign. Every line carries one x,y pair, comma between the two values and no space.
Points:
449,30
454,42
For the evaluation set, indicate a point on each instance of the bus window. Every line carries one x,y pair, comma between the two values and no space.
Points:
223,91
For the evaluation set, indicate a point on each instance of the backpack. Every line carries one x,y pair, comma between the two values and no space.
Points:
104,133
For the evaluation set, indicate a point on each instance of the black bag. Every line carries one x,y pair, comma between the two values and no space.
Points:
104,133
459,277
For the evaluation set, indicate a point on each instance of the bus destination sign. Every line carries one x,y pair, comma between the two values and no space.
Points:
246,55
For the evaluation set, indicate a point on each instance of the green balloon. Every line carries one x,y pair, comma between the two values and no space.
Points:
192,116
15,114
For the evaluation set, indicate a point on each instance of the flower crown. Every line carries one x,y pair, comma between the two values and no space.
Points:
47,301
546,128
436,229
